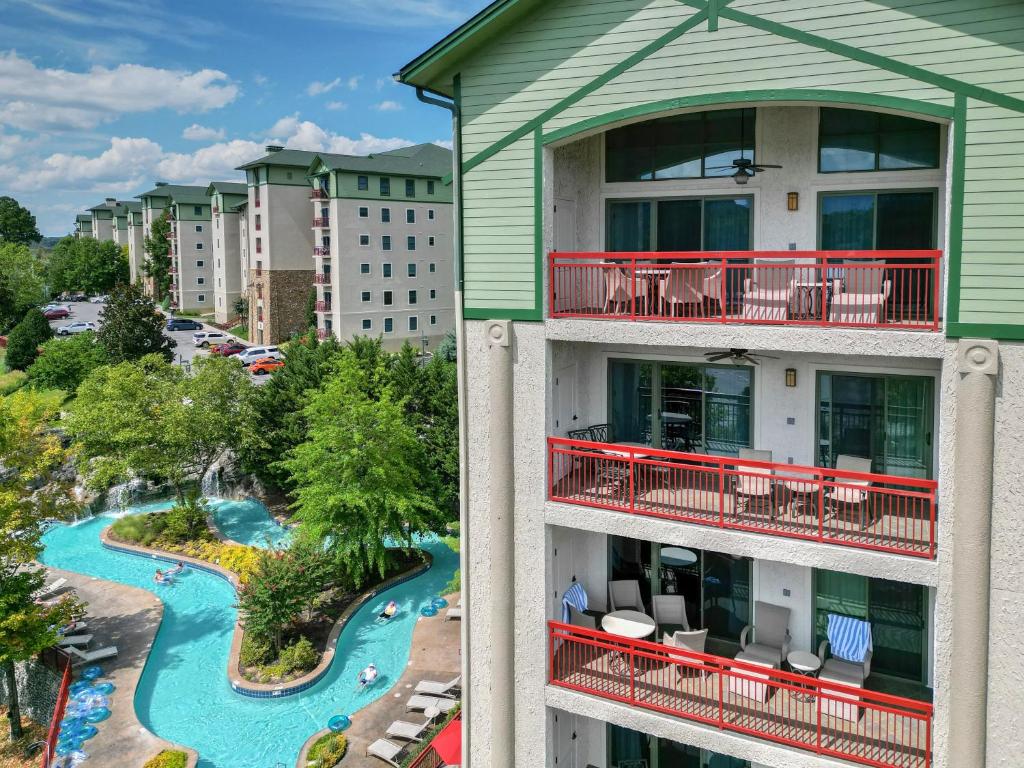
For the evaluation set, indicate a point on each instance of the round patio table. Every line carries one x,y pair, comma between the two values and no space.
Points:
799,491
804,663
632,624
677,557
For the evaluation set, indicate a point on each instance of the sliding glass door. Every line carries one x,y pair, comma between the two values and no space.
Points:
680,224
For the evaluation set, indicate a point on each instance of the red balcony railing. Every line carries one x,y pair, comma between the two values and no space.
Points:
323,306
444,749
318,194
50,747
858,289
323,333
319,278
321,222
321,250
853,509
820,716
215,209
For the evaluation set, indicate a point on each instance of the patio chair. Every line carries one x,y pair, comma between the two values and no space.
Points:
454,612
768,292
853,493
755,482
421,701
74,640
850,638
670,613
711,288
434,688
87,657
681,288
693,641
598,433
400,729
49,589
625,595
580,619
771,635
619,286
385,750
859,296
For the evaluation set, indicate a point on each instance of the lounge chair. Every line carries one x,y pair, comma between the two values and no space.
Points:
670,613
455,612
860,295
87,657
768,292
771,635
49,589
852,493
421,701
386,750
619,293
74,640
434,688
755,482
625,595
400,729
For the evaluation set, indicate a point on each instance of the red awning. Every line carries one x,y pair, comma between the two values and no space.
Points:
448,743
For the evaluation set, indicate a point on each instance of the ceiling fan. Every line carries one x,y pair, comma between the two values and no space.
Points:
745,169
737,356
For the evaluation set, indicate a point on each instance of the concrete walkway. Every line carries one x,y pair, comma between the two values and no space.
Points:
435,655
129,618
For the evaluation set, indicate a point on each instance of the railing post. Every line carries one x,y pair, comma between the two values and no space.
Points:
632,677
823,304
821,508
936,298
724,290
632,481
721,495
632,287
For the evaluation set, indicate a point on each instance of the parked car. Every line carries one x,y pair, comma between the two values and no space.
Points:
183,324
206,338
265,365
56,313
228,348
75,297
102,299
76,327
252,354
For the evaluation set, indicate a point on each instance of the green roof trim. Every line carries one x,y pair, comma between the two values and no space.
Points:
291,158
227,188
83,218
421,160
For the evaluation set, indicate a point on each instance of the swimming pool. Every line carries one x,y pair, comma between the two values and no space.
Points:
184,696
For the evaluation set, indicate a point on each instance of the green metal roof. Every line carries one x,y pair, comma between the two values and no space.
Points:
106,205
419,160
170,190
239,206
294,158
84,218
227,188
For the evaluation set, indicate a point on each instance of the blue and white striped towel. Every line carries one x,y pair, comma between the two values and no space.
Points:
849,638
576,597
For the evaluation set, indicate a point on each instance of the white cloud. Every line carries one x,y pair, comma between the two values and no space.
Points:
197,132
388,106
373,13
33,98
384,82
446,143
305,134
353,82
260,80
126,158
334,106
316,87
217,161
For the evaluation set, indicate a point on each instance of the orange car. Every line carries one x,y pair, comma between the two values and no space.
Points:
265,365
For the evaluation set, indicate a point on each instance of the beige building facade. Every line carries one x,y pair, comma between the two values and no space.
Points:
227,254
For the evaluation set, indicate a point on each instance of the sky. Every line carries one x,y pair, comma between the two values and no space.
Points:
101,98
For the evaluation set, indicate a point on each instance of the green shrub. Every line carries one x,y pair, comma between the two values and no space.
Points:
455,585
12,381
328,749
186,521
144,530
23,342
169,758
300,656
64,363
255,650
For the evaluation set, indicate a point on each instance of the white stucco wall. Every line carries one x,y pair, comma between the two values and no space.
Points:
227,264
192,295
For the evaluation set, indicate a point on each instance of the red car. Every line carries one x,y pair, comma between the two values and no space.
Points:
56,313
231,348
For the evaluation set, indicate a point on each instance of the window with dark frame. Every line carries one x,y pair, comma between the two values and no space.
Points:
851,140
410,187
385,186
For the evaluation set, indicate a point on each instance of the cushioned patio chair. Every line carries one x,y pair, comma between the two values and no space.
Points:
680,289
400,729
859,296
693,641
386,750
755,482
670,613
770,635
768,291
87,657
853,494
434,688
619,293
421,701
625,595
580,619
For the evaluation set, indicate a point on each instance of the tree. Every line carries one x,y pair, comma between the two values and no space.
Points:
440,429
87,265
64,363
241,308
8,305
131,326
358,476
310,313
17,224
448,348
275,596
23,274
147,419
157,246
30,453
24,341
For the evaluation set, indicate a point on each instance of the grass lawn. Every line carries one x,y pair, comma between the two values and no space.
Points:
12,755
241,331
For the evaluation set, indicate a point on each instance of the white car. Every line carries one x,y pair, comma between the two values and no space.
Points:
252,354
206,338
98,299
78,327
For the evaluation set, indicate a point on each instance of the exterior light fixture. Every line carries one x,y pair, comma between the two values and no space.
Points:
791,377
742,176
792,201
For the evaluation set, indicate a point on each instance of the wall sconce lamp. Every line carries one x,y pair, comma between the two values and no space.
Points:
792,201
791,377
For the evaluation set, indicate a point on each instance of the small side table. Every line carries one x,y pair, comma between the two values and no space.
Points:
431,713
804,663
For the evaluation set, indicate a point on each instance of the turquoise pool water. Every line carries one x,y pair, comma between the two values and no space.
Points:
184,694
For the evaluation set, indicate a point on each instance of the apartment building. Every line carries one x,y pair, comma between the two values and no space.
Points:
154,203
280,243
103,219
133,238
189,216
382,246
225,196
83,225
739,336
242,211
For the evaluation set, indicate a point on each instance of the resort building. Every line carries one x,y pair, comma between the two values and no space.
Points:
382,246
103,219
188,214
225,196
133,238
83,225
242,211
739,305
280,244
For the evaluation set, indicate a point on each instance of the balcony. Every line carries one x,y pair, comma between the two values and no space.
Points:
848,289
215,209
852,509
444,749
323,333
321,222
320,278
827,718
323,306
321,250
318,194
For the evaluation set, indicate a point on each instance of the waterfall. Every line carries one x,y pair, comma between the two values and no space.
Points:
122,495
210,484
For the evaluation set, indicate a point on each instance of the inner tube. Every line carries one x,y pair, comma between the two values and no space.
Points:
91,673
106,688
439,603
98,715
339,723
428,610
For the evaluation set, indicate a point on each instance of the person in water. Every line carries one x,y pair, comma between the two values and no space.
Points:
177,569
159,578
389,611
367,676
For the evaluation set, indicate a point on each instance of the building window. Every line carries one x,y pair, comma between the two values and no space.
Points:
364,212
364,268
433,319
430,241
410,242
389,325
386,269
385,215
433,294
856,140
218,263
879,221
363,183
199,246
410,216
200,281
200,263
430,214
692,224
389,298
385,186
385,242
412,297
410,187
199,227
364,297
364,239
201,298
414,323
432,268
197,210
412,270
259,245
697,145
430,186
367,323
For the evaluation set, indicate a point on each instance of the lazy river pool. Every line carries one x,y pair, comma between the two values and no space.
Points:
184,696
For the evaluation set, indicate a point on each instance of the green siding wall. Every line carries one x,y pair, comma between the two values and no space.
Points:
578,60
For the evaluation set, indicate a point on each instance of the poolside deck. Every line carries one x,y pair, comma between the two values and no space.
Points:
127,617
435,655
